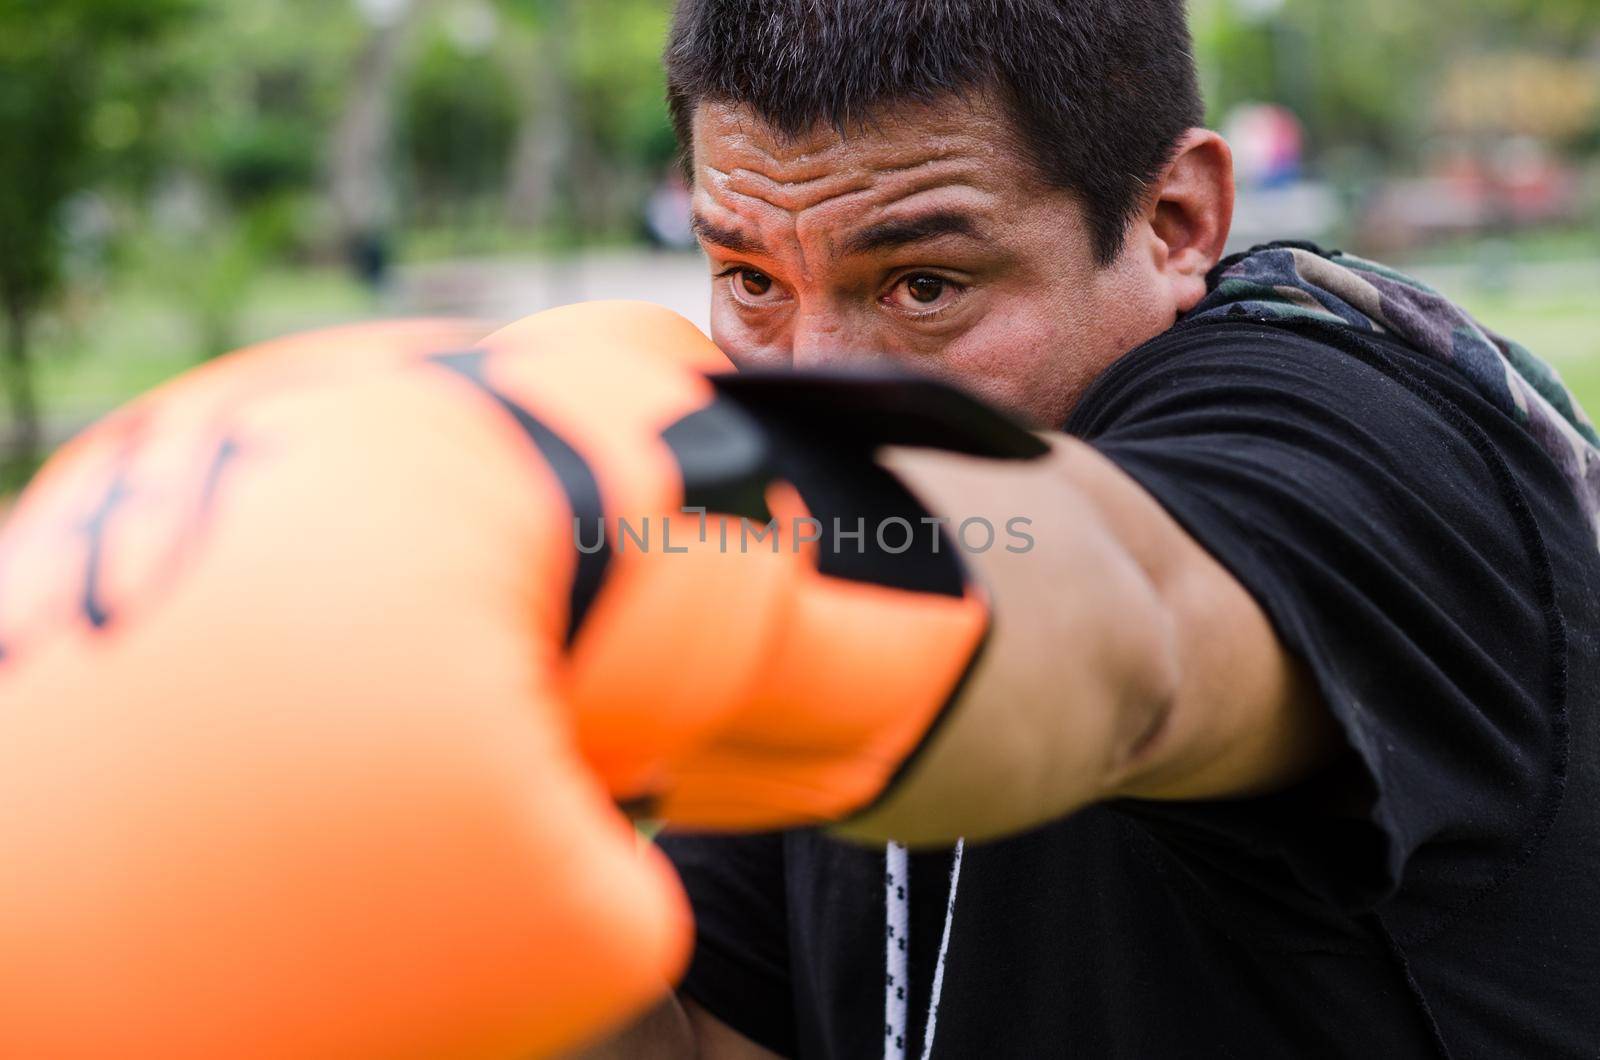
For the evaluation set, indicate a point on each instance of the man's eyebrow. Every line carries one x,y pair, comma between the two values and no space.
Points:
727,238
907,230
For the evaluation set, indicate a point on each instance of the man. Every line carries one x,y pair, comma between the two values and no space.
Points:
1299,676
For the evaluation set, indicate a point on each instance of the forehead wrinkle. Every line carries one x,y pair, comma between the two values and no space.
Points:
824,170
763,183
802,227
767,161
965,196
746,134
759,212
836,239
896,184
803,235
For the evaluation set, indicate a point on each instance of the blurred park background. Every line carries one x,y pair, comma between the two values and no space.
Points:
178,177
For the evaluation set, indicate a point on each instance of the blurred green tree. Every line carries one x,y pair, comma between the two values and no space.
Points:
1363,74
72,74
458,124
593,131
235,156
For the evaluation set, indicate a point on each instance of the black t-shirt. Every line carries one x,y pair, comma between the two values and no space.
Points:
1436,894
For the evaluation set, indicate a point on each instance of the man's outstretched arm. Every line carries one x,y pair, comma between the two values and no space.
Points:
1124,661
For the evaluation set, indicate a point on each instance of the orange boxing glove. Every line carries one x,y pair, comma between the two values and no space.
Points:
847,617
318,688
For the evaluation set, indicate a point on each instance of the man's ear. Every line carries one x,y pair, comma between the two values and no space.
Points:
1190,212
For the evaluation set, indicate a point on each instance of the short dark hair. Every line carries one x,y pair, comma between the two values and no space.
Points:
1098,91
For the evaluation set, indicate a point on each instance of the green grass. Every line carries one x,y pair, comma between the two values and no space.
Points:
1580,239
101,350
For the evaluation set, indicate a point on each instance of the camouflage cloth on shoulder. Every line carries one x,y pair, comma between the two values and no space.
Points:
1288,283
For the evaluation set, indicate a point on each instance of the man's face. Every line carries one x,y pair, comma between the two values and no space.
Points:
925,239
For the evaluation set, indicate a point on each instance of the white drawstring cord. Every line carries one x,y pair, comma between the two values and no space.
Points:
944,948
897,929
897,939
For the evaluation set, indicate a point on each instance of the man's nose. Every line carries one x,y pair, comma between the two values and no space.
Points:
828,339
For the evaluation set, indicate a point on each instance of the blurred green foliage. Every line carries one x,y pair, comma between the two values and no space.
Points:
1362,73
73,77
458,125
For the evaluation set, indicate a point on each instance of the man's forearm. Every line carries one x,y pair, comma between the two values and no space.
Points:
1078,672
1124,661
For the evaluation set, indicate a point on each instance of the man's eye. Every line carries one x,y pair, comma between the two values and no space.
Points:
921,292
751,285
